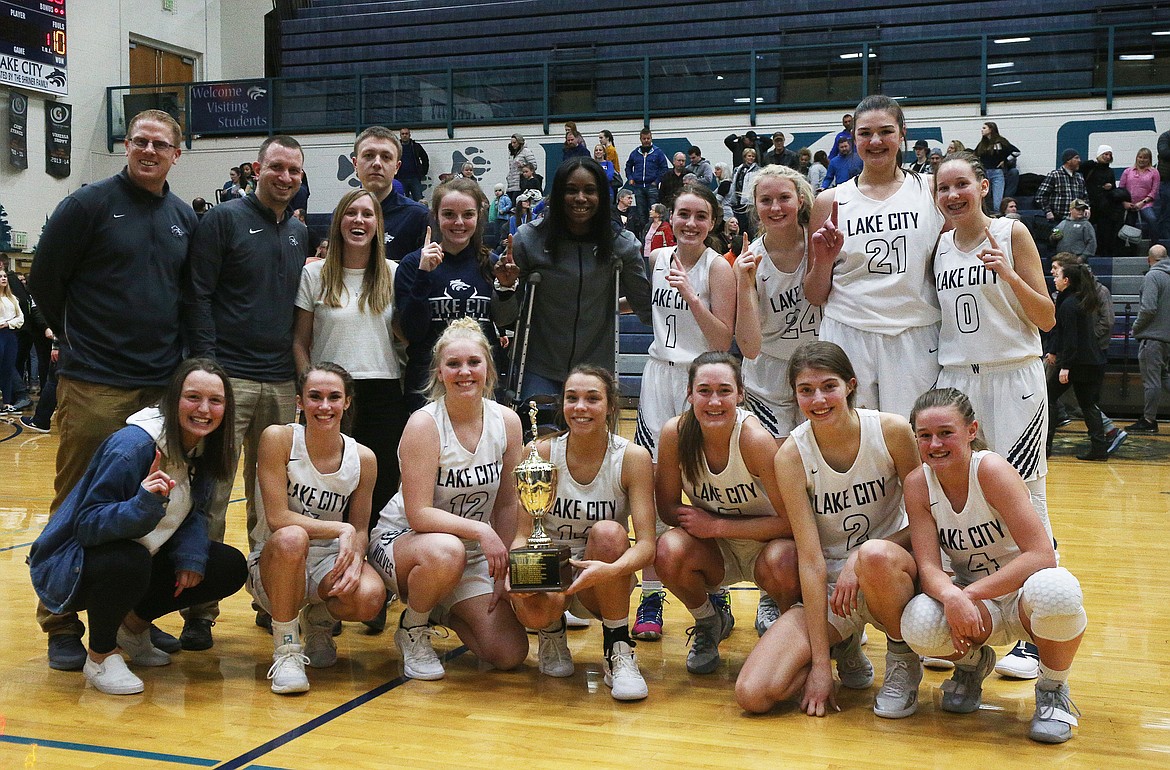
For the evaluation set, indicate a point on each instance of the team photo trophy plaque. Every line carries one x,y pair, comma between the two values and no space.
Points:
539,565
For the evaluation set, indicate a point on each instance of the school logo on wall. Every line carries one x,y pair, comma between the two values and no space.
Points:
474,155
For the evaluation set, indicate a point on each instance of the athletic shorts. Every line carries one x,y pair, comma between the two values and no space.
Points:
475,580
769,396
1011,404
319,564
664,395
892,370
739,559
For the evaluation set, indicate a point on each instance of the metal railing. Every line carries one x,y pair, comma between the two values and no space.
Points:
1103,62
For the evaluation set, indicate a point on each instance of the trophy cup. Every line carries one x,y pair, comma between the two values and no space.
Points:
539,565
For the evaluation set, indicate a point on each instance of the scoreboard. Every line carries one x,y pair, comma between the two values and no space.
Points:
34,45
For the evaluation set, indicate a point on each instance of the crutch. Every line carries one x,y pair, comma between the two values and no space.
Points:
529,298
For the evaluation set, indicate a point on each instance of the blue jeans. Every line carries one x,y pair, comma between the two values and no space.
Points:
995,176
413,187
8,375
645,196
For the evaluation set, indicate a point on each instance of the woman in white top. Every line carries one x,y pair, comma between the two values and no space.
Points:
441,542
734,528
840,476
345,314
1005,585
772,316
990,286
604,483
11,319
315,484
869,265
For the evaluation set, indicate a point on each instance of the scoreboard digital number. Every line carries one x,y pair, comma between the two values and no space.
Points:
34,45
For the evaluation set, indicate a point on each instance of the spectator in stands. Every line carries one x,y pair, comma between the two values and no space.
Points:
300,202
611,172
730,243
115,303
994,153
239,308
247,179
1075,234
11,320
467,170
231,188
921,162
818,170
574,145
531,181
955,146
376,159
845,166
645,166
737,144
1103,321
700,167
741,188
497,219
577,253
845,133
1106,211
1061,186
723,189
522,212
1152,329
1009,208
672,181
625,214
414,168
1142,181
658,233
605,139
780,155
200,207
518,156
805,158
935,159
33,335
1075,358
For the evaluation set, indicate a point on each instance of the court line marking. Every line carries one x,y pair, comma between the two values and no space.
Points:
328,716
177,759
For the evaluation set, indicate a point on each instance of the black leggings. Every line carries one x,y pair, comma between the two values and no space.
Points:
379,418
122,576
1085,382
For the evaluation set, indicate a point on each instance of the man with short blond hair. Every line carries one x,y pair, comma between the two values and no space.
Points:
107,276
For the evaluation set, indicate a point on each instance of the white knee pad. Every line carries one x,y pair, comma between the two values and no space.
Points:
1056,603
925,627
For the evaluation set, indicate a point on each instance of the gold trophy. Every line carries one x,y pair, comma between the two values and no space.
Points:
539,565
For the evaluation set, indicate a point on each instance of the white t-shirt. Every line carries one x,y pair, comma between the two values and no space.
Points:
360,341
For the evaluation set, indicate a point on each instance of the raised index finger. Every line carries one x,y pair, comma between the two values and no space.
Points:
427,237
833,216
157,461
991,238
746,244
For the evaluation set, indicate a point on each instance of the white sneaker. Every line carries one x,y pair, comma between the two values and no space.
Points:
1023,662
572,621
288,670
111,676
317,635
419,660
553,653
622,675
937,664
767,613
898,696
139,649
853,667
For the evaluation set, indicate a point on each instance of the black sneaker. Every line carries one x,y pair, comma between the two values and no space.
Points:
28,423
1098,455
66,652
1143,426
377,624
164,641
196,634
264,620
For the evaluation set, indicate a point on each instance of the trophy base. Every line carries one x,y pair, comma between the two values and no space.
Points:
544,568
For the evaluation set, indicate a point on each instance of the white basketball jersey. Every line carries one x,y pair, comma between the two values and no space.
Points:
578,506
677,336
734,491
467,481
881,280
983,320
787,319
323,496
976,539
859,504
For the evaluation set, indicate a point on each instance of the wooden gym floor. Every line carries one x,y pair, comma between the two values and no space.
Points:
214,708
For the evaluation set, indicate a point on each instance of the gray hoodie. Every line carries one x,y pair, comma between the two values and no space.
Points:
1153,319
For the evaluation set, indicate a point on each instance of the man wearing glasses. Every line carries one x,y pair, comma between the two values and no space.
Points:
107,273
